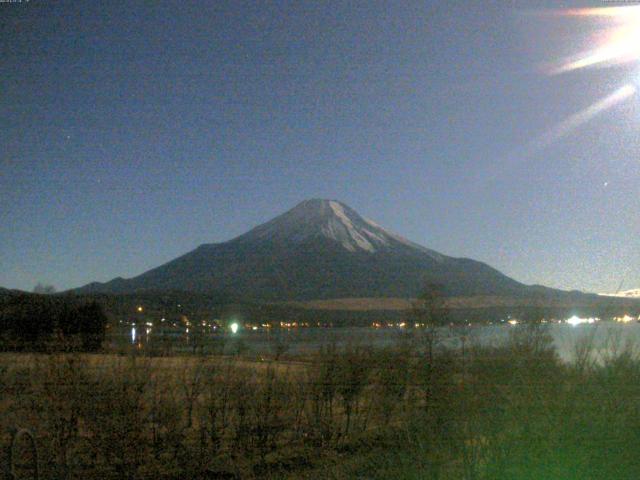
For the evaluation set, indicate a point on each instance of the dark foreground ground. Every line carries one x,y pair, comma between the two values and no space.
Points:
409,409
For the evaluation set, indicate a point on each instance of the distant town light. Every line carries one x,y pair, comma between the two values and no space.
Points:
513,322
575,320
133,334
625,319
139,308
234,327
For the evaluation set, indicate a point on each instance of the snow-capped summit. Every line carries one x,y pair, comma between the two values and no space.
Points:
330,219
320,249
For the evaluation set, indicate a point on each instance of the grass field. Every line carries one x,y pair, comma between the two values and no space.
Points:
415,410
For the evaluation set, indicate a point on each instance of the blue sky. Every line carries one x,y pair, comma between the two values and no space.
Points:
132,132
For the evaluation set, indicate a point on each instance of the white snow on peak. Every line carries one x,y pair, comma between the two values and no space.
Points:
335,230
333,220
390,234
361,242
401,239
375,236
380,237
372,223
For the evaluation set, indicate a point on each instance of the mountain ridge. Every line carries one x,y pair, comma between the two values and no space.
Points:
319,249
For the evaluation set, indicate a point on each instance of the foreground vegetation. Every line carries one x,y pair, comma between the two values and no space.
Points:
512,411
30,322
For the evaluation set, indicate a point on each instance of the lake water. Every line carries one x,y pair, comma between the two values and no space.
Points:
606,337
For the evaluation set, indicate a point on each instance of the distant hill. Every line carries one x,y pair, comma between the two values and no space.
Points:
321,250
352,311
4,292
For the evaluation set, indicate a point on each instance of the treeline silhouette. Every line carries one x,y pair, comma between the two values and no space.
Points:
30,322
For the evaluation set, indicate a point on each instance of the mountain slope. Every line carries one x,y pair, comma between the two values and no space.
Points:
320,249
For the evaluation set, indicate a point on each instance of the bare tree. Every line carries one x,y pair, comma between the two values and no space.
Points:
429,312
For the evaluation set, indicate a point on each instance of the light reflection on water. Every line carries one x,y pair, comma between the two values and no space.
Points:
605,337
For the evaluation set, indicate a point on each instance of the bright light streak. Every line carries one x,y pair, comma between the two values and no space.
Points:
625,319
133,334
610,36
616,12
234,327
578,119
575,320
617,42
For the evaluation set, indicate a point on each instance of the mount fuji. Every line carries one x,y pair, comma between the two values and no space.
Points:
320,249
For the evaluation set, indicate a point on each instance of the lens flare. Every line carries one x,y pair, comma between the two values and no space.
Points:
612,38
615,38
578,119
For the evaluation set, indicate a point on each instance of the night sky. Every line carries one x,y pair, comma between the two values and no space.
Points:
131,132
